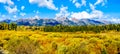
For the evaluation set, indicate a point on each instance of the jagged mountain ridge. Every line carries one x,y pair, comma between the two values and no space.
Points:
57,21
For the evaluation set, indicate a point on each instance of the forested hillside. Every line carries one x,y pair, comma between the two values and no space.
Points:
62,28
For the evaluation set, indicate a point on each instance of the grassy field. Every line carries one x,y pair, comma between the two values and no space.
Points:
37,42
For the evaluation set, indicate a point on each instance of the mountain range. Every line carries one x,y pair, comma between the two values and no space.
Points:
57,21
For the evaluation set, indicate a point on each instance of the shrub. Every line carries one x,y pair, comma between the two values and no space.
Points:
23,45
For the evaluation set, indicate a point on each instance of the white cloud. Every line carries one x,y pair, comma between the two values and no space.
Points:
9,2
96,14
45,3
36,11
73,1
115,20
63,12
11,9
3,16
87,10
36,17
15,16
22,7
22,14
84,14
100,2
80,15
77,4
92,7
83,2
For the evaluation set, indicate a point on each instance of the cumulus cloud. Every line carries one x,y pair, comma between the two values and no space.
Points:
80,15
100,2
11,9
63,12
14,16
22,14
97,14
116,20
73,1
83,2
93,13
9,2
22,7
86,15
36,11
92,7
77,4
36,17
3,16
44,3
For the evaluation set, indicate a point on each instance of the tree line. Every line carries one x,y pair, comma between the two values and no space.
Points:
6,26
89,28
62,28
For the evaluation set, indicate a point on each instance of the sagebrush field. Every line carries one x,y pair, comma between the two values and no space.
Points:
38,42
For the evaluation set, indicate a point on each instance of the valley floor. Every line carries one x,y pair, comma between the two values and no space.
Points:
37,42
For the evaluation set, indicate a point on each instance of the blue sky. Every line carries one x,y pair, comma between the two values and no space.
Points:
79,9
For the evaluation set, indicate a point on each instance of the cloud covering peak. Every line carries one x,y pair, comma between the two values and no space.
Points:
44,3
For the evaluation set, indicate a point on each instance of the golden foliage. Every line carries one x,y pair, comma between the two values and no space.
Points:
37,42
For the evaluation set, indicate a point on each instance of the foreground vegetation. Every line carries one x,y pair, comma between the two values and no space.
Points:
38,42
100,39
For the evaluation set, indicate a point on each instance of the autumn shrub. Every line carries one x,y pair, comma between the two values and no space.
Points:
2,51
23,45
78,48
62,49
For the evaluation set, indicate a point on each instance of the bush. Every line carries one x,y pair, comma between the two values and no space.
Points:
23,45
2,51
